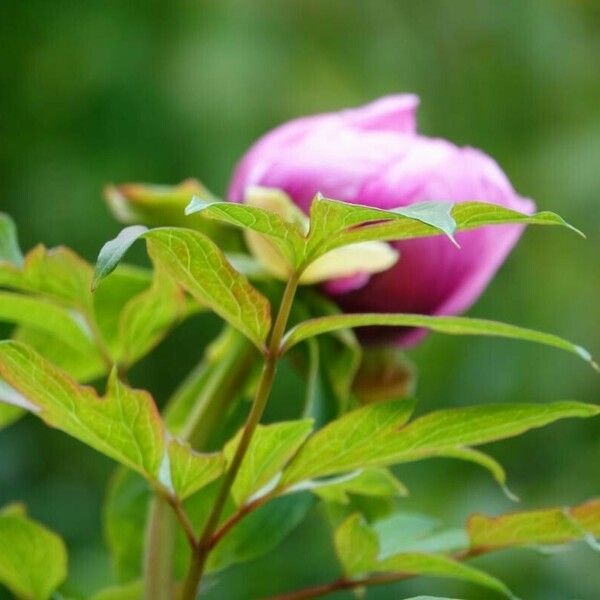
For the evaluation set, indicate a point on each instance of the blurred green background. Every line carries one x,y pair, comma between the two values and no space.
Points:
101,91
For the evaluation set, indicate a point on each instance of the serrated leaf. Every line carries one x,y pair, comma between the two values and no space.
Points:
33,560
284,235
335,223
449,325
190,470
374,435
440,566
356,546
271,448
199,266
546,526
9,242
57,273
146,318
44,315
82,366
124,424
349,443
370,482
452,429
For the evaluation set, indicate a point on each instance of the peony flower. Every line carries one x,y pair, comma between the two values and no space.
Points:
373,155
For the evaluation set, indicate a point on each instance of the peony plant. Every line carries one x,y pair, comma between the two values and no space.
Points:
335,225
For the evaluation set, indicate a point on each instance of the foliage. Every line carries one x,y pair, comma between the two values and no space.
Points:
242,499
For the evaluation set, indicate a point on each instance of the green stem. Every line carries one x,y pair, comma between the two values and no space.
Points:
192,414
200,557
160,543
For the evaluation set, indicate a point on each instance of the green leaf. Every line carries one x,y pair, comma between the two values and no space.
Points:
271,448
82,366
192,470
124,519
536,527
449,325
356,546
57,273
33,560
69,328
197,264
451,430
401,529
124,425
374,435
150,204
440,566
8,413
129,591
113,251
335,223
146,318
352,442
9,242
329,363
261,531
284,235
487,462
370,482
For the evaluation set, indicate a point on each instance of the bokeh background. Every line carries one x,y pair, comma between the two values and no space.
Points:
101,91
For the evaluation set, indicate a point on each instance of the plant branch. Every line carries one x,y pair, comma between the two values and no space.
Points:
371,581
204,395
160,541
183,519
343,584
242,512
200,557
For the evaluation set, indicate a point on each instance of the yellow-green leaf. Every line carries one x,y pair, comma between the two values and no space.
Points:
33,560
124,424
356,546
357,440
190,470
201,268
449,325
374,435
272,446
536,527
435,565
146,318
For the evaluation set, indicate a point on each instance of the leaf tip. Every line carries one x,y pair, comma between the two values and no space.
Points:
583,353
197,204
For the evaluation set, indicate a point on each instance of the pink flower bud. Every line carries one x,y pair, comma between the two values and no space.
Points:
373,155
